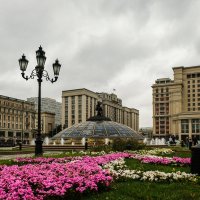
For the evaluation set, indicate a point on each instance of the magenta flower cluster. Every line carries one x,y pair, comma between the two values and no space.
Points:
162,160
57,178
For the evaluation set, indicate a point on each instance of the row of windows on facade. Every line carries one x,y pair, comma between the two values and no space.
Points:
112,116
110,97
11,134
166,90
15,105
15,118
184,127
189,100
194,90
195,126
162,99
13,111
14,126
166,112
162,90
162,132
193,75
194,86
193,95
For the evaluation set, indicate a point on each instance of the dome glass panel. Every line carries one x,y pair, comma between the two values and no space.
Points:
101,129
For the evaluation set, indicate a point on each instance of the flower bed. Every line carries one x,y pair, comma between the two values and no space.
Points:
37,181
156,151
44,177
162,160
119,171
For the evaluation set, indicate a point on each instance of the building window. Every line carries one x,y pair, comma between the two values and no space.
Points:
195,125
2,133
184,126
10,134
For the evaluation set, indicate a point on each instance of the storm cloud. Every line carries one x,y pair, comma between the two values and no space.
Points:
101,44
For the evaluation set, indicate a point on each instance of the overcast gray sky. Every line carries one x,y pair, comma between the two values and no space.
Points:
101,44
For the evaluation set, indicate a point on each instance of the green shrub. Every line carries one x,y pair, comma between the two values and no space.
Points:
106,148
126,144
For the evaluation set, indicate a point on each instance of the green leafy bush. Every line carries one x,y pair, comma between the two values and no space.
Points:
106,148
126,144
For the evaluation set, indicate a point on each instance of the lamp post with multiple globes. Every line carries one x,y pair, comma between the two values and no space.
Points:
39,72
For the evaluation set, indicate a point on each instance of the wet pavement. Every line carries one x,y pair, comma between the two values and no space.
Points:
13,156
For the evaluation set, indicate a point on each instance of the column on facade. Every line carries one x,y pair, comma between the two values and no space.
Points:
69,111
116,113
179,128
119,117
190,128
89,99
118,120
83,108
132,121
30,127
137,122
108,111
120,113
124,115
63,111
76,110
93,108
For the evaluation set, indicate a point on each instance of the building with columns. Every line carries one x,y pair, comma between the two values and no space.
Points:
176,104
48,105
79,104
47,123
17,120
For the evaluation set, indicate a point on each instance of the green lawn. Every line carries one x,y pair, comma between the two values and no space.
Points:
136,190
141,190
135,164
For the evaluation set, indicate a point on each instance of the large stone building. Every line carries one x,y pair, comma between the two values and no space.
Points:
78,105
176,104
48,105
17,120
47,123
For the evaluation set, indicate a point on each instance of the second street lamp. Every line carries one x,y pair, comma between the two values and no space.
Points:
39,72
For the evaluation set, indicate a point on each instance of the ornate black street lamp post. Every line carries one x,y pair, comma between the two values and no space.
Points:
39,72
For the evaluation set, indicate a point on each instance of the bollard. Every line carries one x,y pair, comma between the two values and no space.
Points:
195,160
190,144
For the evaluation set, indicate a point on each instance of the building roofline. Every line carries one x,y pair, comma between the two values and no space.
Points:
78,89
182,67
15,99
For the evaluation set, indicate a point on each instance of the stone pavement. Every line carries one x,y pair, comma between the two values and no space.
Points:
9,157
